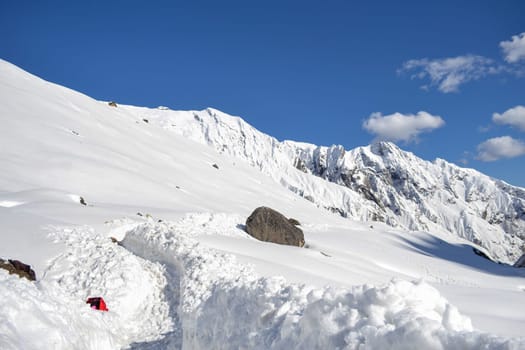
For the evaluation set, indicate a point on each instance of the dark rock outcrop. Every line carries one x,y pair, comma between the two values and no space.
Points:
520,262
269,225
18,268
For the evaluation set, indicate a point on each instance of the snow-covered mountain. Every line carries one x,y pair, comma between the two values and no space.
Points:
379,182
181,273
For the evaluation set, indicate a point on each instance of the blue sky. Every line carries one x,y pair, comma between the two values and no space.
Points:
440,78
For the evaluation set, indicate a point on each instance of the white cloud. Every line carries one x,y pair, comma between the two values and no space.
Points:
400,127
500,147
449,73
514,116
514,50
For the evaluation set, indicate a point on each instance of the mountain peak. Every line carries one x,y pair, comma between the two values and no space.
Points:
383,148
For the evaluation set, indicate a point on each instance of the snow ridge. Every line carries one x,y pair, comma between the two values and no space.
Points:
379,182
223,304
167,291
52,313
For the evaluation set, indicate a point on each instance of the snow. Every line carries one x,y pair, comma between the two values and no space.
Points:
9,204
379,182
184,274
224,302
32,318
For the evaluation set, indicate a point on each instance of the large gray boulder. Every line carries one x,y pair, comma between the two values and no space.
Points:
269,225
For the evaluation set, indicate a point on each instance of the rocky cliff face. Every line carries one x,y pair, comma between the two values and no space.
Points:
379,182
430,196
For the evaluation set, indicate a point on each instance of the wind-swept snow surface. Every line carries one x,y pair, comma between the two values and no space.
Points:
185,275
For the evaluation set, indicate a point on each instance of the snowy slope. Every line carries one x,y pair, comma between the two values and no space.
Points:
185,274
374,183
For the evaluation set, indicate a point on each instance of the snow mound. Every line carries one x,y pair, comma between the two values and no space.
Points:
52,313
133,288
223,304
32,318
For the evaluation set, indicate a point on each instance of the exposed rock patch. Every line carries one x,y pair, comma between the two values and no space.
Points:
18,268
520,262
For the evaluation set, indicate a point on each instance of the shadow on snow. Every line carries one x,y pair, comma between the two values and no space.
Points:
459,253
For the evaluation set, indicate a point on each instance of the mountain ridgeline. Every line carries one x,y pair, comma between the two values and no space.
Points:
379,182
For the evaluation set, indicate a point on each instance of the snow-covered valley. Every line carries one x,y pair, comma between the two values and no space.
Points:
174,188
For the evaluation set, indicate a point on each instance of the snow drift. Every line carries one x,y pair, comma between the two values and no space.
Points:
225,305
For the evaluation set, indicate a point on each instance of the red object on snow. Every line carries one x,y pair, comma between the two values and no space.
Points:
97,303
